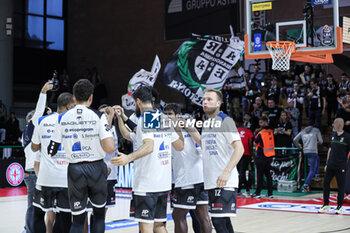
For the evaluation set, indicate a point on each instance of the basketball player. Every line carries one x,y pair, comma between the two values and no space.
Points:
52,189
85,137
222,149
153,154
189,193
30,176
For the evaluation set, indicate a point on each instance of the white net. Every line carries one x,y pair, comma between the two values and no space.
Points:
280,51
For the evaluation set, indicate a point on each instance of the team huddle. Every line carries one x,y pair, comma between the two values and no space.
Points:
77,163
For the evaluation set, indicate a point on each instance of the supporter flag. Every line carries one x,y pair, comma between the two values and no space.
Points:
141,78
204,62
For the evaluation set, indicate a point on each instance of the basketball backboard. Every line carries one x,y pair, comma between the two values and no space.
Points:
312,24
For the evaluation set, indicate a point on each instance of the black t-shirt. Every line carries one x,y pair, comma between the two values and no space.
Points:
281,139
316,101
273,92
274,116
340,147
331,92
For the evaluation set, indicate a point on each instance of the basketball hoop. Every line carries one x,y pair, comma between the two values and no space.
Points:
280,51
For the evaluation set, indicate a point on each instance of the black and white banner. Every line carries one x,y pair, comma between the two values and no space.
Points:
141,78
204,62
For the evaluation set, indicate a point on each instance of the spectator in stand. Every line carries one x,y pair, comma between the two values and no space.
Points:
318,105
257,78
293,116
331,98
245,93
322,80
274,112
344,113
273,91
305,78
65,84
233,87
283,132
343,86
13,133
2,123
307,75
258,107
248,155
297,96
310,136
336,165
247,121
287,83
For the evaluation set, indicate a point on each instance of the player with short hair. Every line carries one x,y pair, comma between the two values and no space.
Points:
150,191
51,191
188,193
222,149
86,137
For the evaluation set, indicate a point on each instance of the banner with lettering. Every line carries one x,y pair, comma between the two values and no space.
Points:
286,168
125,176
204,62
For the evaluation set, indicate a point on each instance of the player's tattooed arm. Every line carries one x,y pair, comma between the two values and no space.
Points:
53,148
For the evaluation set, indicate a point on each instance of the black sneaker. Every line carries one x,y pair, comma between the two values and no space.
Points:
269,196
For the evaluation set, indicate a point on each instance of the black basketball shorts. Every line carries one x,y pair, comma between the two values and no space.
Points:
189,198
222,202
87,180
149,207
51,198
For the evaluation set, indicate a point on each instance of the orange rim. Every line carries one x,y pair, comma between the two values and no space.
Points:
281,44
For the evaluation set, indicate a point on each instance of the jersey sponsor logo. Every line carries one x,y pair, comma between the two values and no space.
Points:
145,213
76,146
14,174
217,206
64,123
50,131
46,136
89,135
163,151
82,155
49,125
79,130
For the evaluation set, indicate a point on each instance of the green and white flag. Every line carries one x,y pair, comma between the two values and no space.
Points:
204,62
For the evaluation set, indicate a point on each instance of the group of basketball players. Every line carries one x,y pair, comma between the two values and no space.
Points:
72,166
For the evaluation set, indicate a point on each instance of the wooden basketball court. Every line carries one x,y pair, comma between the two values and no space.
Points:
280,214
